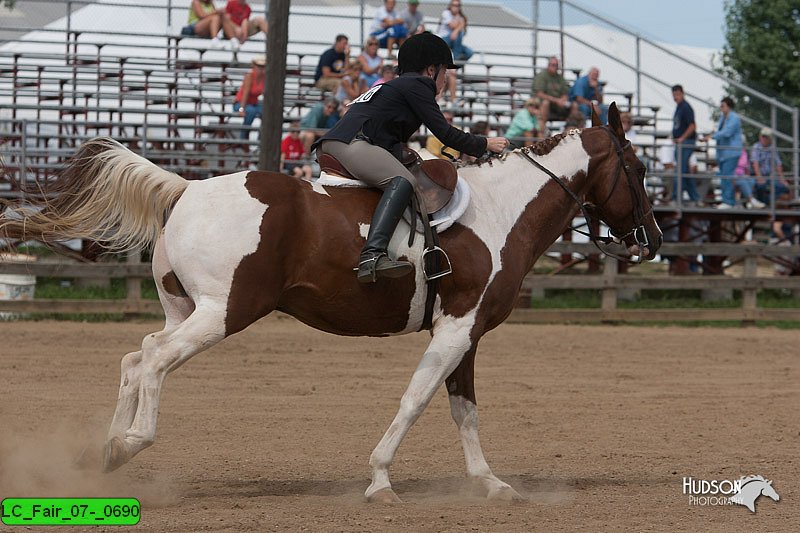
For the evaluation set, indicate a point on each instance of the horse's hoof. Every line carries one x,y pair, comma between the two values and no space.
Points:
505,494
386,495
114,455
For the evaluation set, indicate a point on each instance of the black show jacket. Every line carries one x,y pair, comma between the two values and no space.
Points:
390,113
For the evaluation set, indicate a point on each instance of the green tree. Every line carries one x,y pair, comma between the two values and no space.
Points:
763,52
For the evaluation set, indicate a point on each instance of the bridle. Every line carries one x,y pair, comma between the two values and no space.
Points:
638,231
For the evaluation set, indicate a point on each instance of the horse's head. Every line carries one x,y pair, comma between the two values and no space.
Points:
616,193
768,491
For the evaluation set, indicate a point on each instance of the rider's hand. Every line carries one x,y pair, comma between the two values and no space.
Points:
496,144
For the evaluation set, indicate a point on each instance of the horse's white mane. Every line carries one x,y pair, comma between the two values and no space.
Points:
747,479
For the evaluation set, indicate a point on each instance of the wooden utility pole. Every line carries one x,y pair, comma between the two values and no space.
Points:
272,118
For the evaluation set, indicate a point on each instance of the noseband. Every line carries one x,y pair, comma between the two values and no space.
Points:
638,231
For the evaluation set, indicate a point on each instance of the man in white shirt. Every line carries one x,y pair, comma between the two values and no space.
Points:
388,27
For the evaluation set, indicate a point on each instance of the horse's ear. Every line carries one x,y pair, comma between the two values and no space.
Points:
615,122
769,482
595,119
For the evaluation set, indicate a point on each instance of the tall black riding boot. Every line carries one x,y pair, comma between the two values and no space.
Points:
374,263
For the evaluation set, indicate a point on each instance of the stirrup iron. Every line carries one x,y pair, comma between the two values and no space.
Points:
448,269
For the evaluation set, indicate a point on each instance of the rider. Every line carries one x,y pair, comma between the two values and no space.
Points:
369,138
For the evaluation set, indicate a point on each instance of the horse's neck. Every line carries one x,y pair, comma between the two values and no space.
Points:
504,197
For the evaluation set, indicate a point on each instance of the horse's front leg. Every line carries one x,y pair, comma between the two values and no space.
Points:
464,409
447,348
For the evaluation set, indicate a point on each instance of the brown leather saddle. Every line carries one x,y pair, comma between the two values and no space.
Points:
436,178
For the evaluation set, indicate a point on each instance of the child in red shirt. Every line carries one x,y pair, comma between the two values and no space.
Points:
237,24
292,151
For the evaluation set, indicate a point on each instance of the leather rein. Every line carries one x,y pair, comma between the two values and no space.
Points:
638,231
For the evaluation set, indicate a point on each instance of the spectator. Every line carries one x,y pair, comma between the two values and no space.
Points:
684,138
387,73
729,149
452,28
525,123
330,69
437,147
765,166
743,179
371,62
627,126
575,119
351,85
237,24
481,127
321,117
413,18
588,93
292,151
665,161
247,101
550,87
388,27
205,20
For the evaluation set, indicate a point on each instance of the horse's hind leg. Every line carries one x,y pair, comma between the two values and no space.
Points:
464,409
177,308
161,353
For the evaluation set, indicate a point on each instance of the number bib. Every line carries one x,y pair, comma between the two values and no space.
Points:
367,96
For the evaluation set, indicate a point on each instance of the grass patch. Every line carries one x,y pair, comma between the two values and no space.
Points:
61,289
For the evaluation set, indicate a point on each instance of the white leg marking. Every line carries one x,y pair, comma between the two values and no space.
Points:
465,415
449,344
128,398
161,353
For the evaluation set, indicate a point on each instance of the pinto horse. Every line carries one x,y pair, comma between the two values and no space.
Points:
231,249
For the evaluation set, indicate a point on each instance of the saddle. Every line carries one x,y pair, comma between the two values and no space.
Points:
436,178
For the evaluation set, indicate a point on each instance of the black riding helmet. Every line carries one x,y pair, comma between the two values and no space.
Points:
421,50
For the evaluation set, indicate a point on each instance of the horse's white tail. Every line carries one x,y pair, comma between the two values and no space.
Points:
106,194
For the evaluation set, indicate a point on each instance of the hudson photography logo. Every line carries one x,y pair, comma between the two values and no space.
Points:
743,491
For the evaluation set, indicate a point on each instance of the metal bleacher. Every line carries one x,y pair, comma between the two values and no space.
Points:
170,99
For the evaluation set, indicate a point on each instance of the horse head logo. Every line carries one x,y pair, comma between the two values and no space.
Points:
751,487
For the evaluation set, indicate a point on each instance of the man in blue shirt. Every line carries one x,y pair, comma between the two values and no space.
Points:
684,138
587,93
330,69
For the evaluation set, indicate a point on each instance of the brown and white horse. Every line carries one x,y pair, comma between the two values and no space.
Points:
231,249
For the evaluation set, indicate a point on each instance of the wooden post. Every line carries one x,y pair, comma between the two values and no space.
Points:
749,295
609,301
271,131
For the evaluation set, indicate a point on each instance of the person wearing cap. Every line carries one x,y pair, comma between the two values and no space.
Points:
247,102
413,18
525,124
765,166
369,139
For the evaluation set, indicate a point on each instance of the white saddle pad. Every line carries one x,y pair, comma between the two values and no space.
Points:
442,219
